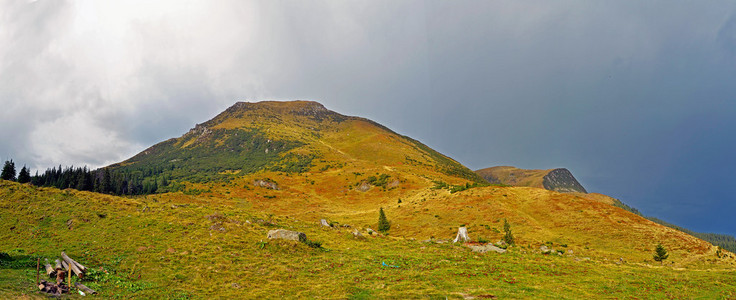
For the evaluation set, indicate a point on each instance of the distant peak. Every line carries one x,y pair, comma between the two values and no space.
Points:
559,179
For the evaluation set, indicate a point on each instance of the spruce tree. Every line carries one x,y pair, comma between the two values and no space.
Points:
660,253
507,236
8,171
24,175
383,224
107,187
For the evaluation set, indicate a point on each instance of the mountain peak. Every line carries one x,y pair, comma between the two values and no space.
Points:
560,179
291,137
273,110
295,106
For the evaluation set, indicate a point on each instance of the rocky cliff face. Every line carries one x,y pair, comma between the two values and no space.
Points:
561,180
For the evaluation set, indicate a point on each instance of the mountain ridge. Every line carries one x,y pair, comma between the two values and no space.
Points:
559,179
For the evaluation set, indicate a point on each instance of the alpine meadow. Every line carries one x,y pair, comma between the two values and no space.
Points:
367,149
228,183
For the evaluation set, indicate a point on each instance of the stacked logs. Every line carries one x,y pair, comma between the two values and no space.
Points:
62,270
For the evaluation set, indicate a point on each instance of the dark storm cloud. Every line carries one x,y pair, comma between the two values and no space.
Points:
636,98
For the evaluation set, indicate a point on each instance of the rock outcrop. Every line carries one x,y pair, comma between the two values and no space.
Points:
283,234
485,248
561,180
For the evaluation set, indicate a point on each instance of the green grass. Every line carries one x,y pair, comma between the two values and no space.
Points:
187,248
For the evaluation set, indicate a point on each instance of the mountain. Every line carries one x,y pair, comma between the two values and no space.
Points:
560,180
302,160
290,137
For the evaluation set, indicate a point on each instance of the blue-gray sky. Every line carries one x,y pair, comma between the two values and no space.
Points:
636,98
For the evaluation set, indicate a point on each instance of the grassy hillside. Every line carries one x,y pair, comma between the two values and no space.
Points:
291,137
724,241
514,176
535,178
178,246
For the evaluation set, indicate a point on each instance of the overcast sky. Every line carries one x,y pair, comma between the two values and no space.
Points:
636,98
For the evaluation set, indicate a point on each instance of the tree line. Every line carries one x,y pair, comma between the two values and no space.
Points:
103,180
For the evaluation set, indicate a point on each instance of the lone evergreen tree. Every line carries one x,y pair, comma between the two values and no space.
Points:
383,224
24,175
507,236
660,253
107,187
8,171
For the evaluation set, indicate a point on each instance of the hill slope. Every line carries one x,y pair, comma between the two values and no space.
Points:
177,246
560,180
291,137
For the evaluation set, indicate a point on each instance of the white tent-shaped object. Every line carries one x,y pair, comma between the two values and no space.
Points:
462,235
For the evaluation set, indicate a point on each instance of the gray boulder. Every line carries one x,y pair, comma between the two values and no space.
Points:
485,248
324,223
283,234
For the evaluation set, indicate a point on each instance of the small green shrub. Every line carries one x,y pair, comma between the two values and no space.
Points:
313,244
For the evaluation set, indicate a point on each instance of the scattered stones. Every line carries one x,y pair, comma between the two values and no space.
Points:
545,249
218,227
324,223
283,234
266,184
357,234
485,248
370,231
